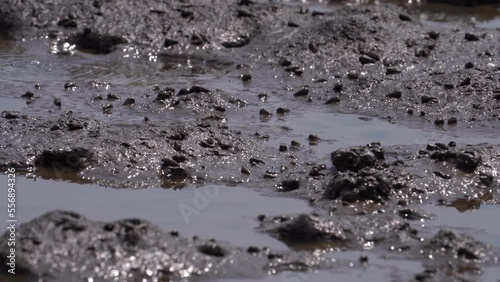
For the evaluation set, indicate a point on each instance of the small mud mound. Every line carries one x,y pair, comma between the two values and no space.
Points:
131,249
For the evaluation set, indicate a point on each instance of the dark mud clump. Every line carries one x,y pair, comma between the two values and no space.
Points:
356,158
131,250
74,159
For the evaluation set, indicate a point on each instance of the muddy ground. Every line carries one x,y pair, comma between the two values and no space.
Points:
376,60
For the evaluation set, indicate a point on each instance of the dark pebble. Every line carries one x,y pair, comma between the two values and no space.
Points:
28,95
338,87
469,65
373,55
314,172
284,62
67,23
283,148
292,24
74,126
302,92
395,94
410,214
212,250
255,161
471,37
352,74
439,122
452,120
244,170
465,82
313,48
405,17
246,77
433,35
390,71
169,163
129,101
179,158
169,43
486,179
452,144
262,96
428,99
253,250
313,137
57,102
186,14
97,98
242,13
282,111
332,100
112,97
295,144
290,185
442,175
265,112
178,172
220,109
366,60
270,174
10,114
69,86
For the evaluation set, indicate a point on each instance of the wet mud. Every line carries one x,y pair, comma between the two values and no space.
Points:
252,66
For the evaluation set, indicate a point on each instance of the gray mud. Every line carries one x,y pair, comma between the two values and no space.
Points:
290,99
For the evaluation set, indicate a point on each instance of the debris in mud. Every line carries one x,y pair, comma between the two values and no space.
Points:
356,158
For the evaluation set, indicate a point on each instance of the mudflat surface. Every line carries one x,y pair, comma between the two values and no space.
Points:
251,141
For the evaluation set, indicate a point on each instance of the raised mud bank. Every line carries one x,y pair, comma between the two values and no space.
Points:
262,63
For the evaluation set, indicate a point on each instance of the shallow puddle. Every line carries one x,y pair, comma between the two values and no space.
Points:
201,212
343,130
480,223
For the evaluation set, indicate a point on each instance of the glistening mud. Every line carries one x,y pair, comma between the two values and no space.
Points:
251,140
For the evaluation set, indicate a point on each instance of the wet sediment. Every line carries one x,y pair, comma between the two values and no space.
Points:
374,60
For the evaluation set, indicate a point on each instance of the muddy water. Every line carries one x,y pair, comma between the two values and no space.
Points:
230,215
199,212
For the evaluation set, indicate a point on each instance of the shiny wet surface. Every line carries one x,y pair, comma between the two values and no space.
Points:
231,214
